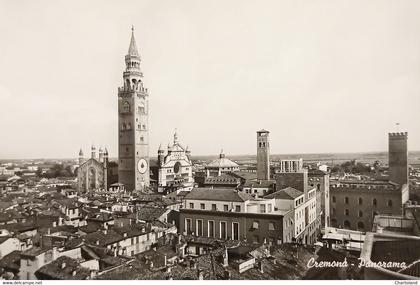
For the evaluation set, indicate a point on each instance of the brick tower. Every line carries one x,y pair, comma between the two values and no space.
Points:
263,155
398,158
133,110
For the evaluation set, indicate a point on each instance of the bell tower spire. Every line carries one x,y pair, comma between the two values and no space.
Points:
133,111
132,50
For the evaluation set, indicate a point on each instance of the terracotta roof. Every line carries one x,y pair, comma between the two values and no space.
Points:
219,194
286,193
149,214
222,162
71,271
223,179
11,261
104,239
34,251
259,183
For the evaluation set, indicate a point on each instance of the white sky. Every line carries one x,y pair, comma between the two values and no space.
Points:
322,76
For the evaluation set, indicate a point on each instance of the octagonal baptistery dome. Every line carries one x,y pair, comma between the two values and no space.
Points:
221,165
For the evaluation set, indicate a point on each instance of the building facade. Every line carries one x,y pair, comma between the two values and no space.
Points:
321,180
354,203
174,168
92,174
133,125
231,215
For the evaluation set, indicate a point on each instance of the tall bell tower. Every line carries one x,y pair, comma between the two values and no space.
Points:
133,127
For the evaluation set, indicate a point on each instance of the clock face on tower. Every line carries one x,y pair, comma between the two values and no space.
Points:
142,166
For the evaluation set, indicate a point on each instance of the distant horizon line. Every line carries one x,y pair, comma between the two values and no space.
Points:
228,155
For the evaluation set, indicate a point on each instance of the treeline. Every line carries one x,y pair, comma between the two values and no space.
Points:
57,170
355,167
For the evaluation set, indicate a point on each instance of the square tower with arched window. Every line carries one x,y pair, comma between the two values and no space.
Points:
263,155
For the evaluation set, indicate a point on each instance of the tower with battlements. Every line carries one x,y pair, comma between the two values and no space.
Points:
398,158
133,124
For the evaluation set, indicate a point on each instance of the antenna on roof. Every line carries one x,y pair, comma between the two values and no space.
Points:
397,125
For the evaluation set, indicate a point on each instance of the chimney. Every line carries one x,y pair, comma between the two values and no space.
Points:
261,267
106,226
105,231
225,258
151,264
97,242
63,265
226,274
73,273
165,260
200,274
125,234
48,231
92,274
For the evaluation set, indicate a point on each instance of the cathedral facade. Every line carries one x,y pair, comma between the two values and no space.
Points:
133,126
174,168
92,174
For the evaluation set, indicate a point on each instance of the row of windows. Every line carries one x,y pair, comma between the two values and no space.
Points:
299,201
127,109
263,208
347,213
211,230
347,224
215,208
249,191
125,127
262,144
256,226
360,201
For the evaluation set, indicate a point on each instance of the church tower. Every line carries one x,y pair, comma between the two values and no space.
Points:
133,135
263,155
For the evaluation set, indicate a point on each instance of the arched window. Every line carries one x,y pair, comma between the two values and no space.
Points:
347,224
360,225
142,109
124,127
374,202
333,199
346,200
126,107
360,214
360,201
389,203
